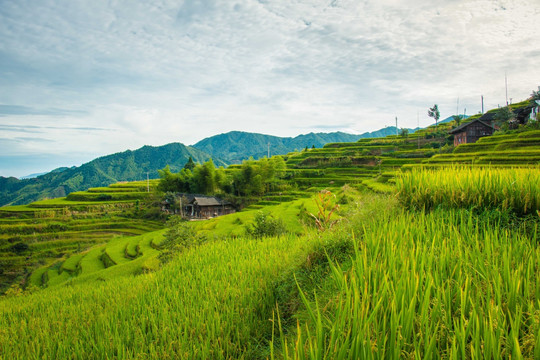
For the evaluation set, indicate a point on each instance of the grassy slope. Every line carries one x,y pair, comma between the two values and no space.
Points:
436,285
443,284
213,301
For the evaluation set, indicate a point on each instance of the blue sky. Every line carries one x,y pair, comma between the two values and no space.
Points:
81,79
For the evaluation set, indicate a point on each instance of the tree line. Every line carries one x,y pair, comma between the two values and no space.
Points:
252,178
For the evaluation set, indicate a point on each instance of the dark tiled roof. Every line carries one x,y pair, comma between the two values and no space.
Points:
206,201
463,126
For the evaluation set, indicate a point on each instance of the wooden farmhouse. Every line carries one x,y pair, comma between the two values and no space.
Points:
471,132
205,207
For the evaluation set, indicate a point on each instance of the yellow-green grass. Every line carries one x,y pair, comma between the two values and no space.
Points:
94,197
116,248
211,302
425,286
16,209
513,189
379,187
55,277
36,278
132,249
72,263
64,202
141,185
114,189
91,262
521,156
90,265
526,140
67,226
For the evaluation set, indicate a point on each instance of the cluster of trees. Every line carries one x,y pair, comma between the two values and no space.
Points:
252,178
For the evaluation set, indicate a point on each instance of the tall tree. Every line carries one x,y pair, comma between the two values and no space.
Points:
434,113
190,165
457,119
204,178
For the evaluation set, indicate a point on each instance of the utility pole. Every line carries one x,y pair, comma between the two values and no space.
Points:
147,182
418,125
396,128
482,103
506,87
181,208
269,150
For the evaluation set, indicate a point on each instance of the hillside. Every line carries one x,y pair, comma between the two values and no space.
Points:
124,166
236,146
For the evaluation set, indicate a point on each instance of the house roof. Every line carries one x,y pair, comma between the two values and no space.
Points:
464,126
206,201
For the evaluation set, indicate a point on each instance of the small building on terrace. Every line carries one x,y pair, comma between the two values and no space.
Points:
471,132
205,207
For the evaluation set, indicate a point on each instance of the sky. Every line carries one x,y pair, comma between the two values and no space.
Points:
81,79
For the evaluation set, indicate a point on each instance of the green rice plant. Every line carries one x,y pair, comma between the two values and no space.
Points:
513,189
212,302
378,187
72,264
435,285
132,249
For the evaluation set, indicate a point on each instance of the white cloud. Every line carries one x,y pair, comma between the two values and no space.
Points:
164,71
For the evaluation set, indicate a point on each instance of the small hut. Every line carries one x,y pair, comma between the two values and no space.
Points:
205,207
471,132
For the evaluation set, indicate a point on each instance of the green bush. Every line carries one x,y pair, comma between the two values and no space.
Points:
180,236
265,224
19,248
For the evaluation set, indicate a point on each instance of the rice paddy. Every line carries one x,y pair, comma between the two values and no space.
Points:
515,189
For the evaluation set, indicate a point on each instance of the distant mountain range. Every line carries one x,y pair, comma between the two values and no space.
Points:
224,149
125,166
235,146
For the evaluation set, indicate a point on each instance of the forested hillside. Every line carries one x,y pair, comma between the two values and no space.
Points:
236,146
125,166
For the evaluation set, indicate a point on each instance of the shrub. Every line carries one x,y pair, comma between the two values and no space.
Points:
265,224
19,248
180,236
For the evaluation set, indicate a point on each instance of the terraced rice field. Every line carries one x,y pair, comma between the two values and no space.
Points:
51,235
515,149
360,164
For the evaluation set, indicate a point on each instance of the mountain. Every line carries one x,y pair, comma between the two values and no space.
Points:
31,176
236,146
125,166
